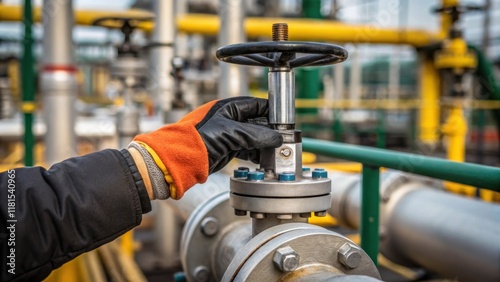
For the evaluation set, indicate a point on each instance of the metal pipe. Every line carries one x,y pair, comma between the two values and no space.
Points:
466,173
452,235
162,53
58,81
28,83
232,80
281,97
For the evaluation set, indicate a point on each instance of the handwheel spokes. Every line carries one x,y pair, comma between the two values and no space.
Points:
260,58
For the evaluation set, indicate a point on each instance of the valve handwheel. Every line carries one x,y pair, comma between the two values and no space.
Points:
281,53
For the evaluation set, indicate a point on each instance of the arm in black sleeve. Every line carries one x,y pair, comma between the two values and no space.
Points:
75,206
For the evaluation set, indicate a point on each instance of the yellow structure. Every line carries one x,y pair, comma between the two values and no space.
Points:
300,29
429,117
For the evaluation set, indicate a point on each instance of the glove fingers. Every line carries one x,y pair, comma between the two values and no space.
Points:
249,155
244,108
250,136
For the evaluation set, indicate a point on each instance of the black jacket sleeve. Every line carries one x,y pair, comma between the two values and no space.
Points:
49,217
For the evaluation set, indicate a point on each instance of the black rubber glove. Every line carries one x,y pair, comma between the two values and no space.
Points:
227,133
205,140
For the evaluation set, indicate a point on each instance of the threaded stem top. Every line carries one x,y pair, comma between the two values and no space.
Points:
280,32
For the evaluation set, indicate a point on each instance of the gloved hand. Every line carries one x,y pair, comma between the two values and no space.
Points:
205,140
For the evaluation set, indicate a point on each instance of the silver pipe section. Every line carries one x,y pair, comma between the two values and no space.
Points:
162,54
168,226
200,193
421,226
58,82
232,80
281,97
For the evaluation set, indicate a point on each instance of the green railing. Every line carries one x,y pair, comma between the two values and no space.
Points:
373,159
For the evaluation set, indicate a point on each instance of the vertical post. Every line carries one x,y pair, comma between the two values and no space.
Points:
232,80
381,132
370,201
309,80
58,80
28,82
161,55
429,115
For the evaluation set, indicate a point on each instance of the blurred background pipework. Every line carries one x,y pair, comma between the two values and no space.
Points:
415,198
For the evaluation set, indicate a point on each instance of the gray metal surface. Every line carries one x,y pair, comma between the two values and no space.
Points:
281,97
57,37
281,205
58,98
271,187
232,80
427,227
58,87
452,235
196,247
317,251
161,55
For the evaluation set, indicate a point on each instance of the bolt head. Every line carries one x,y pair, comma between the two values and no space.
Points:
286,176
320,213
349,255
209,226
240,212
255,175
240,173
286,152
257,215
319,173
201,274
286,259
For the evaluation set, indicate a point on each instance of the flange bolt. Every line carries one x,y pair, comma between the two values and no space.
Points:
240,173
209,226
255,175
286,259
286,176
319,173
349,256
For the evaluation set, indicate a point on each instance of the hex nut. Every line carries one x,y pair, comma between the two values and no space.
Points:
209,226
349,255
201,274
286,259
240,212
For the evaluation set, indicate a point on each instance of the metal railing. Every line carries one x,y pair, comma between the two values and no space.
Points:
373,159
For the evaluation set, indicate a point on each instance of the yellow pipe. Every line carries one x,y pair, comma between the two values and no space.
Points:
300,29
313,30
14,13
385,104
446,21
429,107
127,243
455,130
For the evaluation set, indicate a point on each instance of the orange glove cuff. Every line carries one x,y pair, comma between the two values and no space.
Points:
181,151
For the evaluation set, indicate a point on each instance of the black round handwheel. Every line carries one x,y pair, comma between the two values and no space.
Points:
278,54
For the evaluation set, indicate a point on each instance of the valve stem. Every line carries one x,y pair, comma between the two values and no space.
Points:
280,32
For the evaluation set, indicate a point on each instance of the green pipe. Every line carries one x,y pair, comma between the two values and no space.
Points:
466,173
337,125
309,78
381,134
28,84
370,198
